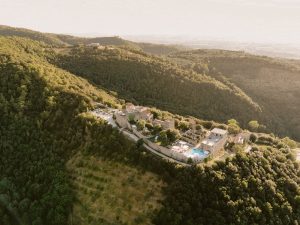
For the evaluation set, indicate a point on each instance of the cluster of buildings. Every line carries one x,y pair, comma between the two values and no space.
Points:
99,46
194,143
136,113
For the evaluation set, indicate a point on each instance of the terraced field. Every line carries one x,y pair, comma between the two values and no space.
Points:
111,191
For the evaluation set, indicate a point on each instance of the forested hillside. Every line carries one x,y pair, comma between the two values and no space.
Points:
50,39
57,159
67,40
261,187
272,83
149,80
42,124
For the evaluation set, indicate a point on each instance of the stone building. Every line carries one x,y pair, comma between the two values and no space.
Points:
215,141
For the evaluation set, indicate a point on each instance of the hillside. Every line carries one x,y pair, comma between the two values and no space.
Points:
50,39
267,84
60,165
42,125
61,39
272,83
153,81
67,40
160,49
246,189
112,193
170,85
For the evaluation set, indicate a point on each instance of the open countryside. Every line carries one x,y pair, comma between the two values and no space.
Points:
165,112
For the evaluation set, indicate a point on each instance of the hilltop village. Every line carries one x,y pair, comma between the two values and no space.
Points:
185,141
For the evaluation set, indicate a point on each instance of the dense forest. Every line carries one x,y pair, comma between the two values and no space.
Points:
272,83
44,123
261,187
158,83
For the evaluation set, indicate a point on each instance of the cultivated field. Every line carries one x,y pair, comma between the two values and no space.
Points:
110,191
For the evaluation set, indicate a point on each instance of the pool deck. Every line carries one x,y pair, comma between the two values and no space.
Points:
195,155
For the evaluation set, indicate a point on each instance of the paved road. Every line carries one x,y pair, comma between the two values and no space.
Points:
130,135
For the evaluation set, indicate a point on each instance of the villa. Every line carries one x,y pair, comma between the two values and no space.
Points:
131,111
215,141
138,112
93,44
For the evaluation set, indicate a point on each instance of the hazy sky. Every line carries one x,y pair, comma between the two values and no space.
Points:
243,20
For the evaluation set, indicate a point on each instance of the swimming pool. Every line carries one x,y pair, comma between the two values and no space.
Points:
200,153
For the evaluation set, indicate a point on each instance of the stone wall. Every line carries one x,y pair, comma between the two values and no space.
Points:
166,151
138,134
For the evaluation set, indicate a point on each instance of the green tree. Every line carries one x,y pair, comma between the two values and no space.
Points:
172,134
131,118
291,143
141,124
163,138
253,138
253,125
183,125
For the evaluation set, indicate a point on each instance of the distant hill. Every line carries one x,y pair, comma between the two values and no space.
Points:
272,83
51,39
66,40
60,39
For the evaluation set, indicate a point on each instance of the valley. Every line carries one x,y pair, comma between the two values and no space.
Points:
67,110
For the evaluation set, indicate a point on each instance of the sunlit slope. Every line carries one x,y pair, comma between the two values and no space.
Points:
149,80
67,40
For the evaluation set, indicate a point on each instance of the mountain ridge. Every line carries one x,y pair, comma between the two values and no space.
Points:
45,124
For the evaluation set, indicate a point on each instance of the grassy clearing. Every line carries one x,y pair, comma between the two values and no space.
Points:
111,191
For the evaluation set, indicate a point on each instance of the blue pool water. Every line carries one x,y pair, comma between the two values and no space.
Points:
199,152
